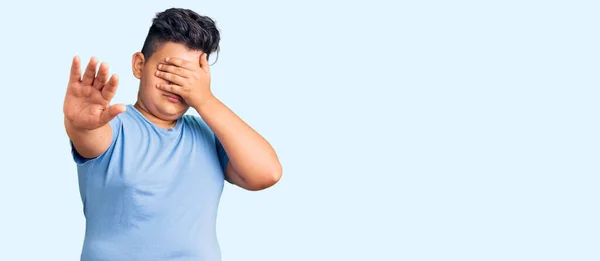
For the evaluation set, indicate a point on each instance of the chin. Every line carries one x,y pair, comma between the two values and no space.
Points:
170,110
173,111
161,107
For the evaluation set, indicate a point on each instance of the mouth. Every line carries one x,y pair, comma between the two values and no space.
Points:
173,98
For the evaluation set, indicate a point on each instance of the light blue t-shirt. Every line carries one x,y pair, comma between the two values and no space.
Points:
154,194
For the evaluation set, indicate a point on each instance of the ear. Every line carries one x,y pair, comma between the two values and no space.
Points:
137,64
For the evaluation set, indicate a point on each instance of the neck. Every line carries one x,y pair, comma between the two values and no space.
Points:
157,121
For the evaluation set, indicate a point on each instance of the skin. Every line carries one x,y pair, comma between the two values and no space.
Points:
172,72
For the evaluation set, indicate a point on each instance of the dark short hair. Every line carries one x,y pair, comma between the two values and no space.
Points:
182,26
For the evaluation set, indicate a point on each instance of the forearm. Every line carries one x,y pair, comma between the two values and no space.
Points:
252,157
89,143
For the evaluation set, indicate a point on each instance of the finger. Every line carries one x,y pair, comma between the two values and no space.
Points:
112,112
170,77
204,62
172,88
102,77
90,72
174,70
109,90
181,63
75,70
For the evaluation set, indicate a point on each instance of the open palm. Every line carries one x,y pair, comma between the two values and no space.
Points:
87,102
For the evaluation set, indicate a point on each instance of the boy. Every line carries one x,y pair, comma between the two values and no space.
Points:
151,177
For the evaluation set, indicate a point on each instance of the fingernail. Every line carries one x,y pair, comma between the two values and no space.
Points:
167,59
160,66
157,72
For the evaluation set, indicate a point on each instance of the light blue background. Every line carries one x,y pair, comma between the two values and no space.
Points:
408,130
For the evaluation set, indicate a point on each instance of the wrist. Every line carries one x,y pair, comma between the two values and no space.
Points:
73,128
201,105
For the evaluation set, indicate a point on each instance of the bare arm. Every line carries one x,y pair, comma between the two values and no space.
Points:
89,143
253,163
87,108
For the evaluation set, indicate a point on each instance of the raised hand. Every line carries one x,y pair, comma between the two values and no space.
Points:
190,80
87,102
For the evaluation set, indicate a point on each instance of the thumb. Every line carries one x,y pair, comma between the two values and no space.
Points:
112,112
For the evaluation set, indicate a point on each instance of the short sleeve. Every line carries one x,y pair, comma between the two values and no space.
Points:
223,158
115,125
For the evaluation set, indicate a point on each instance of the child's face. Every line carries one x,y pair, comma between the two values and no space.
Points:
151,98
